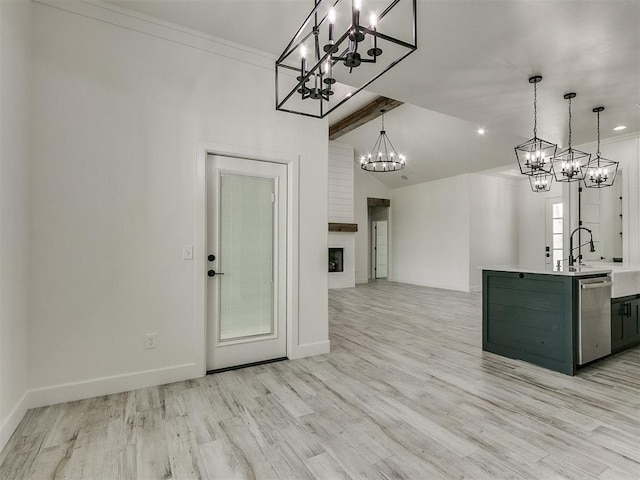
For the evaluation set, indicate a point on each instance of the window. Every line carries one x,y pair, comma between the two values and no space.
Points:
557,234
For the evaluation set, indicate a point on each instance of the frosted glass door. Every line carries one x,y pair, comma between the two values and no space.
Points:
247,264
246,256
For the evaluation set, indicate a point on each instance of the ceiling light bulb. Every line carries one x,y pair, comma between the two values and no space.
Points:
303,51
481,131
332,16
357,4
620,127
373,19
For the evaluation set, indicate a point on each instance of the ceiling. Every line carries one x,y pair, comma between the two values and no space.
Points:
470,70
447,147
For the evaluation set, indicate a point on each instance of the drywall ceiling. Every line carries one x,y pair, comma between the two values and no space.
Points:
473,61
436,145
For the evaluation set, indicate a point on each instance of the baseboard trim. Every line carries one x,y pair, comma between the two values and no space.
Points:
96,387
13,419
311,349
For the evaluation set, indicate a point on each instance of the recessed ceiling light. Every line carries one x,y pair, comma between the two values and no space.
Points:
620,127
481,131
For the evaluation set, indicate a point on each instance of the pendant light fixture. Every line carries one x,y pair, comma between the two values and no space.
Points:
541,182
569,164
600,172
535,156
383,156
338,45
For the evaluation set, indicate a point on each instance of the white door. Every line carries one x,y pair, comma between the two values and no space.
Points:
381,248
246,233
554,249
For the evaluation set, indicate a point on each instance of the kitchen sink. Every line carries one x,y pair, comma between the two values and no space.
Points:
625,282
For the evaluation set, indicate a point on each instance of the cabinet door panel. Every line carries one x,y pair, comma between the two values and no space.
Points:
631,326
617,314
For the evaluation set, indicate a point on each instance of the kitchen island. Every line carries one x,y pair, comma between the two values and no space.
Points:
532,315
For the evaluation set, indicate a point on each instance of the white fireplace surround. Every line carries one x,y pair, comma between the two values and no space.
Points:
346,241
341,162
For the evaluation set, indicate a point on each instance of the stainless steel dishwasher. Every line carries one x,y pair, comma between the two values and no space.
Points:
594,318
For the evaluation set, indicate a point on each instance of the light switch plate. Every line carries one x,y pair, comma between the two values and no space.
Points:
187,252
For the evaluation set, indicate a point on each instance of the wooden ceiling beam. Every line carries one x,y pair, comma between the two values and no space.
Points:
367,113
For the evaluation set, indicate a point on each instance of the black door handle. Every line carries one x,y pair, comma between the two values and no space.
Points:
213,273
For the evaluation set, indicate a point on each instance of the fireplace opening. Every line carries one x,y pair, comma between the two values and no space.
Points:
335,260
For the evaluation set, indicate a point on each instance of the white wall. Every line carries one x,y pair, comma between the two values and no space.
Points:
493,224
430,233
117,114
365,185
15,44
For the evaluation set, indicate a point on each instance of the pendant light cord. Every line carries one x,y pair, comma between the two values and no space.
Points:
569,123
535,110
383,121
598,152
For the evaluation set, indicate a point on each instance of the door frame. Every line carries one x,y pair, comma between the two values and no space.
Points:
292,162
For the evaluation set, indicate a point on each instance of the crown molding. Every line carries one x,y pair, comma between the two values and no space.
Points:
147,25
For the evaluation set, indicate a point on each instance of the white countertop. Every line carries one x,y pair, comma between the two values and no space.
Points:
625,279
567,271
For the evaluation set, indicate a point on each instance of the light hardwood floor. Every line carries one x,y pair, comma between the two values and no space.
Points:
406,392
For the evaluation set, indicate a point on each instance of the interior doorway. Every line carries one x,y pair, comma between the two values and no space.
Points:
246,261
378,213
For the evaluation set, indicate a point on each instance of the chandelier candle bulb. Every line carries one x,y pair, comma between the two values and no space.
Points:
357,5
332,24
303,60
372,23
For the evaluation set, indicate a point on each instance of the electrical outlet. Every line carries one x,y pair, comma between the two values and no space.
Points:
187,252
151,341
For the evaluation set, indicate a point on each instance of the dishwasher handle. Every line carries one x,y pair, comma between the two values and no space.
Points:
588,286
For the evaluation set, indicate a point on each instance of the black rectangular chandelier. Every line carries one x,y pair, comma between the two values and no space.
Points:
341,48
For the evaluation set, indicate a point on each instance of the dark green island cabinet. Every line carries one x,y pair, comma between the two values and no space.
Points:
625,323
531,316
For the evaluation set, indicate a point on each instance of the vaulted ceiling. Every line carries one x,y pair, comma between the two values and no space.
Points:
470,70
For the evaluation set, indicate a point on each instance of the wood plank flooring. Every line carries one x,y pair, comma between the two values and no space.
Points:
406,392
